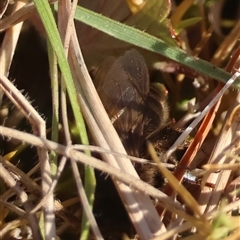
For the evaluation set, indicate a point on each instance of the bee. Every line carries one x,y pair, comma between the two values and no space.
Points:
137,109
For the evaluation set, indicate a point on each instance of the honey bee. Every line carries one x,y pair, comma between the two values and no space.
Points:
137,109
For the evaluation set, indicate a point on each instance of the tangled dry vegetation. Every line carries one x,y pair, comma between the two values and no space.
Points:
54,185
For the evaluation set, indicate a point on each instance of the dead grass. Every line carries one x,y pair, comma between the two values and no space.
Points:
35,205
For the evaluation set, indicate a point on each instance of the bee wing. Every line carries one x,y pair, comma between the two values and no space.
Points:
123,93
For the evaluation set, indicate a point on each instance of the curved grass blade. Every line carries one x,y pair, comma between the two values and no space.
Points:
144,40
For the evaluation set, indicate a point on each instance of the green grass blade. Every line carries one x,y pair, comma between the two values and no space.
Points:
48,21
47,18
144,40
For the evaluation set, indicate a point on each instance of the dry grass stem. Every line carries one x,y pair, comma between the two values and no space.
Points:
189,129
9,43
11,182
66,25
39,128
226,141
22,14
128,179
105,136
35,190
